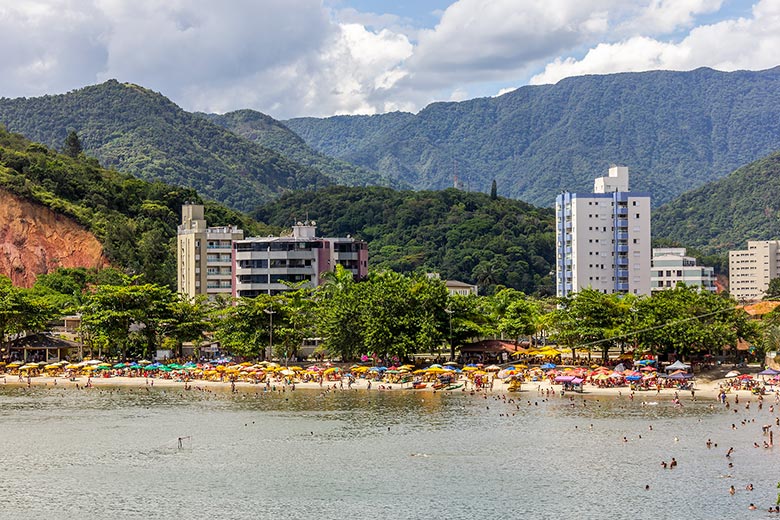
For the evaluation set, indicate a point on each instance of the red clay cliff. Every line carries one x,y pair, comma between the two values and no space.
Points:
35,240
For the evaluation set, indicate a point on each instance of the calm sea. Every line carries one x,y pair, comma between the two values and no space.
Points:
397,454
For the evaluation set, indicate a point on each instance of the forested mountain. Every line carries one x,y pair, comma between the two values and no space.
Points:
674,130
466,236
725,214
133,219
138,131
270,133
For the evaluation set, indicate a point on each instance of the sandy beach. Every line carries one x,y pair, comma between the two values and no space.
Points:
704,388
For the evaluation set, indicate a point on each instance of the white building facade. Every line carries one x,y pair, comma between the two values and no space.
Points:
670,266
751,269
266,265
204,255
603,238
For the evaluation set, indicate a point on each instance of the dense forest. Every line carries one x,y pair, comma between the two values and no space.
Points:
135,220
725,214
270,133
675,131
471,237
141,132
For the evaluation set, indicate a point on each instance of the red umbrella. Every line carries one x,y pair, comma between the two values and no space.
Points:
745,376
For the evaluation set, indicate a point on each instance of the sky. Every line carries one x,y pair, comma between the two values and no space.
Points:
293,58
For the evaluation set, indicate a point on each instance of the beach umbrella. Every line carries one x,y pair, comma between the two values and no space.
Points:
548,366
287,372
71,366
134,366
144,362
450,364
744,377
492,368
120,365
768,372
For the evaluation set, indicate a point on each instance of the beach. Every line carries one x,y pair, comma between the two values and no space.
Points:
703,388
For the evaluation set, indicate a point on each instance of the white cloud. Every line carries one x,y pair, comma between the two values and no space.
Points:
300,57
494,36
742,43
665,16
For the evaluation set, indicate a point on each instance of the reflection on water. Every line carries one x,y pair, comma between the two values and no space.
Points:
401,454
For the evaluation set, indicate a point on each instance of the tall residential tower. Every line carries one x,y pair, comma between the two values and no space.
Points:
603,238
204,255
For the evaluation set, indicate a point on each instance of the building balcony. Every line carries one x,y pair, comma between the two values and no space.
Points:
622,273
621,260
622,248
622,223
621,287
621,211
621,235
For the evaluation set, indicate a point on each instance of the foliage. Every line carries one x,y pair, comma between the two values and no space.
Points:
675,130
23,310
464,236
270,133
110,310
143,133
387,316
773,291
135,220
725,214
682,321
72,146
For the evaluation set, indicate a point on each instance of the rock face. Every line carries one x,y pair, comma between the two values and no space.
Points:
35,240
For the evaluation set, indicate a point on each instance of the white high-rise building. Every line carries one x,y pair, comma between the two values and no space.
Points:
603,238
751,270
671,266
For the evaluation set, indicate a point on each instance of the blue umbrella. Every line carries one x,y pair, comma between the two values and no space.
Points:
548,366
633,378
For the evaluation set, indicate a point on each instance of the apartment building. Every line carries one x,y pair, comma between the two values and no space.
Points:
603,238
751,269
670,266
204,255
266,265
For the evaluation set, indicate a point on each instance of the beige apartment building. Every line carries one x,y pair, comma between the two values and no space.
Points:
204,255
751,270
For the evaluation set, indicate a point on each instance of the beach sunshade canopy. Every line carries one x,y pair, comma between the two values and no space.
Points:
677,365
769,372
733,373
548,366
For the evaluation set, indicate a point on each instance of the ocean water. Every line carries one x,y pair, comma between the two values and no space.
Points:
382,454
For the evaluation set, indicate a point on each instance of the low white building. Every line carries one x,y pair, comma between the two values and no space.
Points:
670,266
751,269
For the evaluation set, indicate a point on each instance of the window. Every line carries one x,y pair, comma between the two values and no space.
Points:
633,203
637,215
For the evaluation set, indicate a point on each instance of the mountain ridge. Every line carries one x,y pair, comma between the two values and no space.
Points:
675,130
139,131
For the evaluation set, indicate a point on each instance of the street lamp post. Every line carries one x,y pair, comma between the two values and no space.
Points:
270,313
450,312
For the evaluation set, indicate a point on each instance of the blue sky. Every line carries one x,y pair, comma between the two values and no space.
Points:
291,58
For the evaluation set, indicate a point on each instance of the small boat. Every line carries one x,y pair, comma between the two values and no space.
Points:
439,385
419,386
454,386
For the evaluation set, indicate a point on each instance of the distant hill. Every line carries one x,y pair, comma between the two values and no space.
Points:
463,236
675,131
139,131
725,214
135,221
272,134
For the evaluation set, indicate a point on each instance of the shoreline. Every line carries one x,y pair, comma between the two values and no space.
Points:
704,389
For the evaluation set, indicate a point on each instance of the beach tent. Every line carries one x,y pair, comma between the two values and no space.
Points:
677,365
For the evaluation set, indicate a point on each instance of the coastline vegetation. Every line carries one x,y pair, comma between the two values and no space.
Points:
389,316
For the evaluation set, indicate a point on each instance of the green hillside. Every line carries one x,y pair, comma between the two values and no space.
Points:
725,214
463,236
675,131
134,220
272,134
141,132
